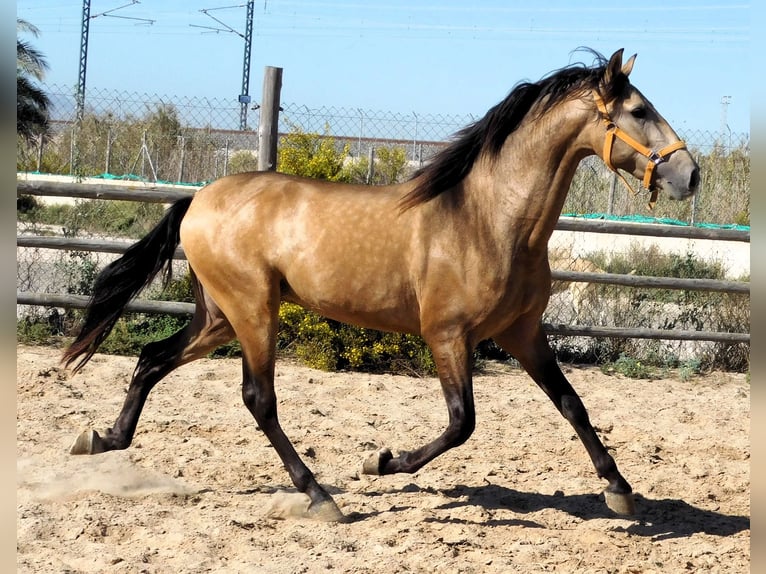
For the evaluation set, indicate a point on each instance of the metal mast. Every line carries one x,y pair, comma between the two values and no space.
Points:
244,97
83,59
86,18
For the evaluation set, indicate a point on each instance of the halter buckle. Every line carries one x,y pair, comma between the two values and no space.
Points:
655,157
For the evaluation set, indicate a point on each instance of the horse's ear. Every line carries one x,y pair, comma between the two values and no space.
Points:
614,67
627,67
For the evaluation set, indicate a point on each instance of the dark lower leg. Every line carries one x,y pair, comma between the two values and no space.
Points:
462,421
558,388
157,359
540,362
453,360
259,397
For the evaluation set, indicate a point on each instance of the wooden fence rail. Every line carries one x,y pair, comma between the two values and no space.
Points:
106,246
152,193
161,194
180,308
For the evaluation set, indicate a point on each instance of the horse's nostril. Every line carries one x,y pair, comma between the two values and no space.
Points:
694,180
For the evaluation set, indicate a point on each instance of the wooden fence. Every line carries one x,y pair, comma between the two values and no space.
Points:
161,194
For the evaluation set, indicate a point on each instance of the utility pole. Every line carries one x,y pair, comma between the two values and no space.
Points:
82,72
244,96
86,18
80,100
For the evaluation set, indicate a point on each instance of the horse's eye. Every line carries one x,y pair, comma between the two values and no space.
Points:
639,112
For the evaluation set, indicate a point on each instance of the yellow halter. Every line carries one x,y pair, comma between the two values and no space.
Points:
655,157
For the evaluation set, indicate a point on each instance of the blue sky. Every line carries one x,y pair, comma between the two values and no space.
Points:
406,56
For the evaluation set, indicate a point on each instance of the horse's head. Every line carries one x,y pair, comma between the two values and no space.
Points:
637,139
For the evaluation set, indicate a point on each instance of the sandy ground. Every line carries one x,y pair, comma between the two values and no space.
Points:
201,490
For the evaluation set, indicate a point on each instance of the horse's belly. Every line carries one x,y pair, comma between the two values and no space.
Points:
356,299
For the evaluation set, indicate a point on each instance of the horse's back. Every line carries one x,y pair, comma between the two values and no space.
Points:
283,215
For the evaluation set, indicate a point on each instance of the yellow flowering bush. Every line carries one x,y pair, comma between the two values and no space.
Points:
328,345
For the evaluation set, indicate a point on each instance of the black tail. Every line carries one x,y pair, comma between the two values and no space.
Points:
123,279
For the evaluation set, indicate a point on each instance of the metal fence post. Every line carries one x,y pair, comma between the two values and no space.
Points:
361,132
182,143
612,190
371,165
226,158
39,152
415,139
72,145
108,161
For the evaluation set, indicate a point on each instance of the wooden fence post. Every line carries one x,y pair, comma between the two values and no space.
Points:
268,125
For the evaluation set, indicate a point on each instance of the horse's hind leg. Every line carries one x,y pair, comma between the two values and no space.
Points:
538,359
207,330
255,321
259,397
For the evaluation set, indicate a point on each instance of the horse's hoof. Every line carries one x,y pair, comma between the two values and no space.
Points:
297,505
326,511
377,462
89,442
620,503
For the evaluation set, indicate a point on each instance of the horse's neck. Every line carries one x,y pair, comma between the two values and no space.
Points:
529,181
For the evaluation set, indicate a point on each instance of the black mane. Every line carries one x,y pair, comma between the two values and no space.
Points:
450,166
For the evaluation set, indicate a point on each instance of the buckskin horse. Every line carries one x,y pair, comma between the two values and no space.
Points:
457,254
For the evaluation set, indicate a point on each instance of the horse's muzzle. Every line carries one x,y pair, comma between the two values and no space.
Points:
679,179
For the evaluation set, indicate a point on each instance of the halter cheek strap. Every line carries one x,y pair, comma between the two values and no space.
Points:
655,157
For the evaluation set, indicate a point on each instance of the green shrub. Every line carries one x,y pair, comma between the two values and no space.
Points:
79,272
629,367
390,167
667,309
242,161
689,369
132,219
329,345
179,289
650,260
35,331
312,155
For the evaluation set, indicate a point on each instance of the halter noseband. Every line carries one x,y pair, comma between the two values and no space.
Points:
655,157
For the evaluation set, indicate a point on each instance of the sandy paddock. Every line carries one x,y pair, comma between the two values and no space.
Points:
201,490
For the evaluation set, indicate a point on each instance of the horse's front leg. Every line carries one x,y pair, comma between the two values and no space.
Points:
536,356
453,362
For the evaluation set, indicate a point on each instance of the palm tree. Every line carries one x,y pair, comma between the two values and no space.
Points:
32,103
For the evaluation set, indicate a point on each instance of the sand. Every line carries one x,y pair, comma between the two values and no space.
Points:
201,490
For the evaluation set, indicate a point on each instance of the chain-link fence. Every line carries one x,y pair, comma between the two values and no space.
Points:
195,140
